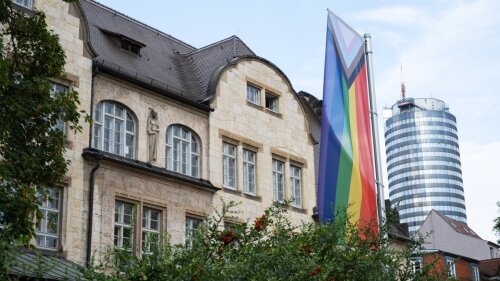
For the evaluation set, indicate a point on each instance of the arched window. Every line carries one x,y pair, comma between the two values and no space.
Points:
114,129
183,153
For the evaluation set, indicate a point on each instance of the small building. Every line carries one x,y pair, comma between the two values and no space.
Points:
446,234
442,264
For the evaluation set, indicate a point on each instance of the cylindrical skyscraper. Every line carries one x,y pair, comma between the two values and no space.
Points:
423,161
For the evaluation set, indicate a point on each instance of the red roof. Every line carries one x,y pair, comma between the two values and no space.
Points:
459,226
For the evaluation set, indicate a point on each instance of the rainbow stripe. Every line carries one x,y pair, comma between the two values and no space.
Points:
346,167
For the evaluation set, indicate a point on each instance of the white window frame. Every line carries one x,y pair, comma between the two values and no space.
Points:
253,94
127,143
121,225
274,107
28,4
191,227
296,185
249,172
227,158
450,265
416,265
475,274
172,152
60,125
149,234
278,180
42,226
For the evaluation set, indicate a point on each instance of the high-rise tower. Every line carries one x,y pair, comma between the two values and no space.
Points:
423,161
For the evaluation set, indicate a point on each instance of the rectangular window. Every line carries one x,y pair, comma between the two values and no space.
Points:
151,220
25,3
416,265
249,184
229,165
124,220
192,224
272,102
450,264
278,181
253,94
57,89
295,184
47,228
475,274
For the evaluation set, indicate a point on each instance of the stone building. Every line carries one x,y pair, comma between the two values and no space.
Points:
175,129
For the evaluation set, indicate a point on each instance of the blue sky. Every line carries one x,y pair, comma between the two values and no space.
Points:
448,49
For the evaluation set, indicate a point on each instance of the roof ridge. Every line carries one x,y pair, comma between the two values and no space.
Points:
131,19
212,45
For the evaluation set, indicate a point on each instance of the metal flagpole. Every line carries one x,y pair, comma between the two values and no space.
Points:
375,136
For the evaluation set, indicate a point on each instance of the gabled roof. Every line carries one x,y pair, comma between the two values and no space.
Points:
458,226
164,61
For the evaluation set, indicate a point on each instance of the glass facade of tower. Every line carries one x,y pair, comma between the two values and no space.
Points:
423,161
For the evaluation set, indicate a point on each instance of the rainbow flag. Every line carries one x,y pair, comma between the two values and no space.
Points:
346,167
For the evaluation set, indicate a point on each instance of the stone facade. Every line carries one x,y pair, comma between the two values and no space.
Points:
65,20
283,135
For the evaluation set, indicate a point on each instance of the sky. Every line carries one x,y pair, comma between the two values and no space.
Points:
448,49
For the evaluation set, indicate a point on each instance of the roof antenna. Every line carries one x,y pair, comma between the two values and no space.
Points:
403,86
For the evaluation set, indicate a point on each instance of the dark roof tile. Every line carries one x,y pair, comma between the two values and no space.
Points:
164,60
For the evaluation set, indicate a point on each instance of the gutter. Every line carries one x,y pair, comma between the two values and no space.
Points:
97,156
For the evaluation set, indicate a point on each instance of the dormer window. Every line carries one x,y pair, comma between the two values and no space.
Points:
124,42
130,46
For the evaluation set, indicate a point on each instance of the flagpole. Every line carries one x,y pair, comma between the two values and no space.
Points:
375,137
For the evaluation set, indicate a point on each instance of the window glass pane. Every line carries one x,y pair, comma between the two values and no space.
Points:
118,111
47,228
130,124
182,151
253,94
109,108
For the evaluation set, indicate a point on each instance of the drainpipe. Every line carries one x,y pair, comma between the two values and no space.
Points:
97,157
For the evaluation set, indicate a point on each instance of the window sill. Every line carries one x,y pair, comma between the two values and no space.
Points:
297,209
252,196
26,10
231,190
256,106
274,113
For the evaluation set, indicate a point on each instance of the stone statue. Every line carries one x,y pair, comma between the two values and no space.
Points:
153,129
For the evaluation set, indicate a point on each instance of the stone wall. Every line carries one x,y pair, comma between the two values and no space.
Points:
283,136
62,18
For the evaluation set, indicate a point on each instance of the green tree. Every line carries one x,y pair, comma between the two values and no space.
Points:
31,148
270,248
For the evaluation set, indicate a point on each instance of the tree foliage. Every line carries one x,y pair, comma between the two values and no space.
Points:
31,148
270,248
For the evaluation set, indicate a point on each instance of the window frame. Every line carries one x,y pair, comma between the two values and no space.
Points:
414,262
476,275
28,6
191,138
147,230
226,155
189,229
451,267
60,125
275,98
293,185
99,129
122,225
256,94
246,173
276,174
43,231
